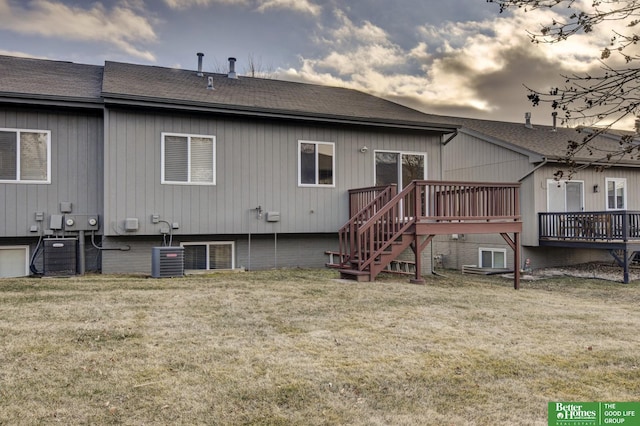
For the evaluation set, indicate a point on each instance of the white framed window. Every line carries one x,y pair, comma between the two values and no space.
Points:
14,261
616,193
565,196
399,167
188,159
492,257
316,163
209,255
25,156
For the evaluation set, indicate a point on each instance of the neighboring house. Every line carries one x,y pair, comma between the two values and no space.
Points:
593,216
51,150
240,172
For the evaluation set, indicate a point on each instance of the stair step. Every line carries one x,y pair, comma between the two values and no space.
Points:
355,275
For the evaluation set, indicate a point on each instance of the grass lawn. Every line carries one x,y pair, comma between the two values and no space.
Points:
300,347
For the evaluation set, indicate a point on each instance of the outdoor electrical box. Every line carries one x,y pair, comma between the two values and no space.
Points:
81,222
55,221
273,216
167,262
66,207
131,224
59,256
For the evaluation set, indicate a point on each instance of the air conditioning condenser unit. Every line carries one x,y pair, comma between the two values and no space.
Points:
167,262
60,256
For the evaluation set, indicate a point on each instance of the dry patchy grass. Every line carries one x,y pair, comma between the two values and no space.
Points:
300,347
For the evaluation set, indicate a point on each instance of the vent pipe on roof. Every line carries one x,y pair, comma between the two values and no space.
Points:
200,55
232,68
527,120
554,115
210,83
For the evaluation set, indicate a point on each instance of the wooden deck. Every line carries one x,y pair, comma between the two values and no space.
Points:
385,223
589,227
617,231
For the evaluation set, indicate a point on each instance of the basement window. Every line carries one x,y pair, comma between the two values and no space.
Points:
316,163
209,255
188,159
25,156
14,261
492,258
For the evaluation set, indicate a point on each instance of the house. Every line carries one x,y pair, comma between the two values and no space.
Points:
101,165
51,150
593,216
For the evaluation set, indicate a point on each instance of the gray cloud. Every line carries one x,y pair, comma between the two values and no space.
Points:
121,26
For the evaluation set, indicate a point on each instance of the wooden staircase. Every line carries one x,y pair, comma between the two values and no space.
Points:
377,234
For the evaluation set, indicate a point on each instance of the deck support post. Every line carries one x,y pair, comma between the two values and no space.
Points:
418,248
515,246
624,263
517,261
626,267
417,251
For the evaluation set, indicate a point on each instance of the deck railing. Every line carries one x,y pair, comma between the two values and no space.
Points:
469,201
376,225
618,225
364,203
361,198
442,200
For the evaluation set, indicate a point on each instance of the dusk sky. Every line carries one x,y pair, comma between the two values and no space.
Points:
453,57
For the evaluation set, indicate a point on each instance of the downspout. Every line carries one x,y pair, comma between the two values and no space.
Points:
453,135
536,168
444,142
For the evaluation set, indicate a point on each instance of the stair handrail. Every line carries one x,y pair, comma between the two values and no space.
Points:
373,247
349,230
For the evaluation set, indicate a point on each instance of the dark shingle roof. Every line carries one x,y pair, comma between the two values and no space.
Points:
44,79
254,95
541,140
34,80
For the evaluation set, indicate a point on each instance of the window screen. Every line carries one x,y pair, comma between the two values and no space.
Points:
188,159
24,155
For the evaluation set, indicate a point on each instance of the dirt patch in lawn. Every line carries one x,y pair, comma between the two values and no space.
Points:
592,270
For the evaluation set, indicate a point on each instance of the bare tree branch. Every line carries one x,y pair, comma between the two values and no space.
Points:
605,98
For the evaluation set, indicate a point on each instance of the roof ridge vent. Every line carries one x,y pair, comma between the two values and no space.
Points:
232,68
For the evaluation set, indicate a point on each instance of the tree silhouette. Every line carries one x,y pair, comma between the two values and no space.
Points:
603,99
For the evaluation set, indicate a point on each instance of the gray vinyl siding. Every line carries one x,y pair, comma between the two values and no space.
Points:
529,211
468,158
256,165
593,201
76,168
